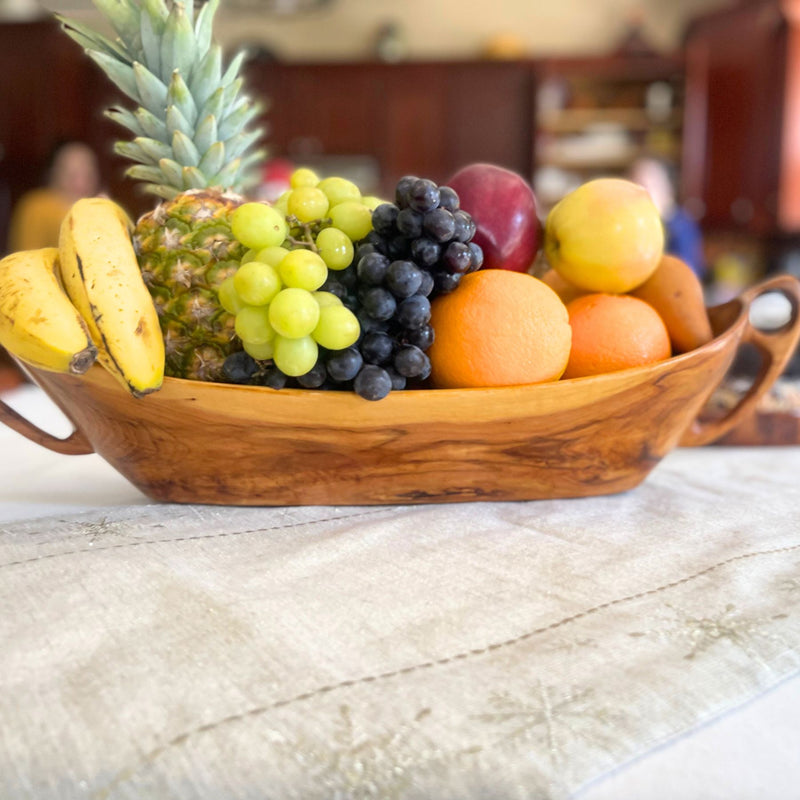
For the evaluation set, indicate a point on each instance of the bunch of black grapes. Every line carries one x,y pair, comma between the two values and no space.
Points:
421,246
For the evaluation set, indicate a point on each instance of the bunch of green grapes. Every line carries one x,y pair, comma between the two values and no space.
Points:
331,203
281,316
290,328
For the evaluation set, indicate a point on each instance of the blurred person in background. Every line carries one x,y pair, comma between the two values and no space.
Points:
683,237
72,173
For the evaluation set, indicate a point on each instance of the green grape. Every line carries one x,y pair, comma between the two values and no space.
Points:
250,255
303,176
326,299
260,352
339,189
257,283
372,202
335,247
253,326
308,203
282,203
270,255
353,218
228,296
337,328
258,225
295,356
294,313
303,269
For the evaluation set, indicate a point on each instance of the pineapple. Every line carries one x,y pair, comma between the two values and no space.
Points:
185,251
193,146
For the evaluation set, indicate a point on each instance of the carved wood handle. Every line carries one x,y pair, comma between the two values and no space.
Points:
76,444
775,347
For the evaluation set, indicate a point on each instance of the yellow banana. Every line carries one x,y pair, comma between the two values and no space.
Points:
38,323
102,278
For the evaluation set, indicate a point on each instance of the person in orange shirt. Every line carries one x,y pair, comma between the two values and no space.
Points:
35,221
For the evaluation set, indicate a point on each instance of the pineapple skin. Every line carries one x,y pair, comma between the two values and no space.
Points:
186,250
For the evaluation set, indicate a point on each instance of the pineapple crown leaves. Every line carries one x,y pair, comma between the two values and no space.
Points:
192,126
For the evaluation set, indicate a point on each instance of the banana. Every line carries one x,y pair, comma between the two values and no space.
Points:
38,323
102,278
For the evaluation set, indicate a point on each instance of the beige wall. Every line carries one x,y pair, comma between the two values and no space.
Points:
443,28
460,28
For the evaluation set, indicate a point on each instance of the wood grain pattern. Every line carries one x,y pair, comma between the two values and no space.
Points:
212,443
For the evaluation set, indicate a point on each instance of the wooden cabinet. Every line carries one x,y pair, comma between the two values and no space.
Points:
51,92
41,97
428,118
742,123
425,118
431,118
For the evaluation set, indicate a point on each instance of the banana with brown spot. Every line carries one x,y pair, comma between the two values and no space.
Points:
38,322
102,278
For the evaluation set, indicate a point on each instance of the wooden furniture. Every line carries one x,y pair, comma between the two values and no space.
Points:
214,443
596,116
52,92
742,120
737,140
422,118
431,118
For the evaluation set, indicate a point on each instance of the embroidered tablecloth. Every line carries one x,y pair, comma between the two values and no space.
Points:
489,650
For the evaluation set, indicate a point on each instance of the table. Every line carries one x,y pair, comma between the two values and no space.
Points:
643,645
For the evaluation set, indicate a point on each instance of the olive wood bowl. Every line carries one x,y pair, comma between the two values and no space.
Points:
240,445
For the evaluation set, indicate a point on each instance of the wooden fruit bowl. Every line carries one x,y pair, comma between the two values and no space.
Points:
214,443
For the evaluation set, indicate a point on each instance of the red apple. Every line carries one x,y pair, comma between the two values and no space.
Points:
503,205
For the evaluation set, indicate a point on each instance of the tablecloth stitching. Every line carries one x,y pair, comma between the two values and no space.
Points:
205,537
152,755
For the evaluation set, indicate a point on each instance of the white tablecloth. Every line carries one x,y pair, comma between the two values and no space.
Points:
645,645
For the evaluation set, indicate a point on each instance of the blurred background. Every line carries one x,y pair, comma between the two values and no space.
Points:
558,91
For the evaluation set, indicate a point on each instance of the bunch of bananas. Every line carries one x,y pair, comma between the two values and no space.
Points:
63,308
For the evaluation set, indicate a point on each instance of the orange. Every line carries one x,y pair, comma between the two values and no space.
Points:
612,332
498,328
